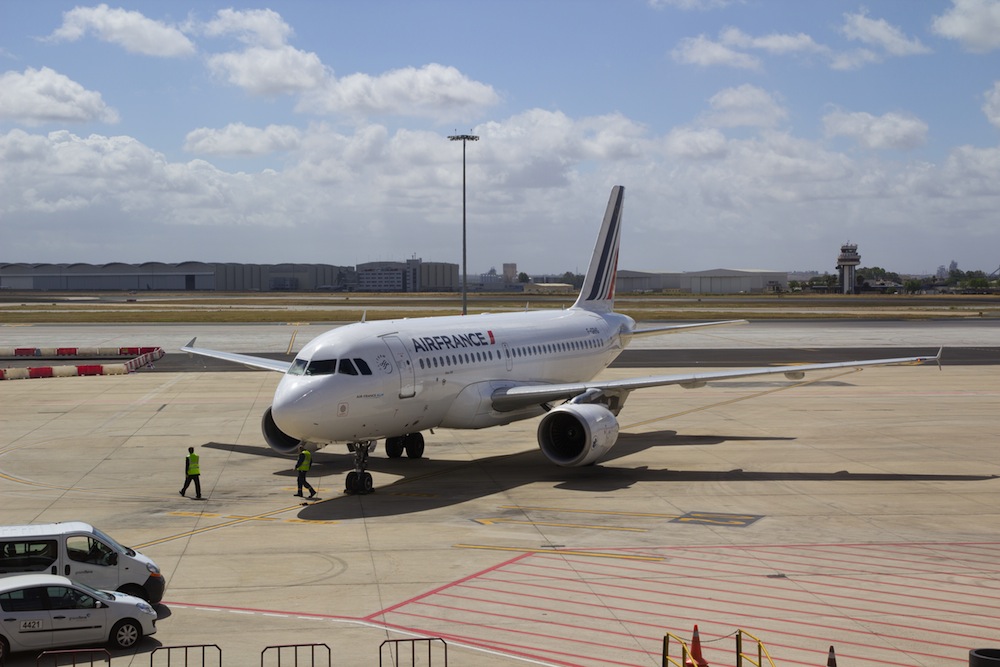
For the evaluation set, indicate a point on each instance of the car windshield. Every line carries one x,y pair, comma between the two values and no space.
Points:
100,595
110,541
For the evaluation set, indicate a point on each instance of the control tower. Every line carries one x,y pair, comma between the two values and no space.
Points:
847,264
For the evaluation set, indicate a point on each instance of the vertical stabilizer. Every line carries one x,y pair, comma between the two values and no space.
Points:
598,293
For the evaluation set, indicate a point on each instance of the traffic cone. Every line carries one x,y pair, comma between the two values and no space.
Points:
831,660
695,659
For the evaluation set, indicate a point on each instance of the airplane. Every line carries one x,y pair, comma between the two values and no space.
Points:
395,379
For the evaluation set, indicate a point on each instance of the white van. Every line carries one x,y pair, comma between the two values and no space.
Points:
81,552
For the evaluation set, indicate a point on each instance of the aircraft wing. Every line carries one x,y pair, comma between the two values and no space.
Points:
245,359
675,328
513,398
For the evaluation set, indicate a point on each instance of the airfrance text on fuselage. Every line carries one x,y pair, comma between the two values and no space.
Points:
454,342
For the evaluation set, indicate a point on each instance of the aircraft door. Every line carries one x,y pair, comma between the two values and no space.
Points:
407,374
509,356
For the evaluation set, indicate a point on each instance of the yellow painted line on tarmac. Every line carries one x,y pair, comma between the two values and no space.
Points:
645,515
490,522
741,398
227,524
560,552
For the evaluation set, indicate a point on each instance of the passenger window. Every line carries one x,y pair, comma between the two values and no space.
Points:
24,599
347,368
62,597
27,556
363,366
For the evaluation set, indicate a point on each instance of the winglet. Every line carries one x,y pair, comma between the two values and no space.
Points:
598,292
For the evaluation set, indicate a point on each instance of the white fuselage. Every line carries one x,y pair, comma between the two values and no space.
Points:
405,376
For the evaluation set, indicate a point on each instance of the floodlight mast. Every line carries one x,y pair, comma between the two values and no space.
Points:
465,273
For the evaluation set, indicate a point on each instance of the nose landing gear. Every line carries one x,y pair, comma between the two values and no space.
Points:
359,481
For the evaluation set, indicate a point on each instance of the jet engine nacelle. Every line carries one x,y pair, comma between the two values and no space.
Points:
577,434
277,439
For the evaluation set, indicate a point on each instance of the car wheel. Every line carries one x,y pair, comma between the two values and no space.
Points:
4,650
125,634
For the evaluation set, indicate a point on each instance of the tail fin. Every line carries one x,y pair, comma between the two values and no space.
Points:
598,293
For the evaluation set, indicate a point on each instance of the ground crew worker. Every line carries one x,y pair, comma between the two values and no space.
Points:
192,472
302,467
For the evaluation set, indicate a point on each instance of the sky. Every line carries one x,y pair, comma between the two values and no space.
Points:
749,134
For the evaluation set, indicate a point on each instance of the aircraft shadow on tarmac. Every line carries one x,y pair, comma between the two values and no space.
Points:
427,484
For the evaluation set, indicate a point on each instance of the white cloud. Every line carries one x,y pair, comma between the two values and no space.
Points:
433,91
991,107
697,144
255,27
974,23
704,52
775,43
239,139
270,71
43,95
130,30
879,33
891,130
856,59
744,106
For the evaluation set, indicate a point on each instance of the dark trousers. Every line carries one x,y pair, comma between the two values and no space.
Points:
197,484
304,482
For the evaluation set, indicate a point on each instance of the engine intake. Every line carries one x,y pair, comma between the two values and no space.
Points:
577,434
277,439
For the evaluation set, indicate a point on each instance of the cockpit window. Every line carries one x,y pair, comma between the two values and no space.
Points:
363,366
298,367
347,368
322,367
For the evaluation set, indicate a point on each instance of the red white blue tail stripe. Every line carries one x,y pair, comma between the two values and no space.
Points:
598,293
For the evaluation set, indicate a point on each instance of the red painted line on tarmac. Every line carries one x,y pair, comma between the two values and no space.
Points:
756,617
751,604
524,633
800,589
445,586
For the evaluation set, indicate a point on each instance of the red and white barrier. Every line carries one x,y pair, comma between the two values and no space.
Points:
138,357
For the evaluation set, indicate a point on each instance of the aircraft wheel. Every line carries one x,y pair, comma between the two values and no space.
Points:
394,447
414,445
365,483
352,482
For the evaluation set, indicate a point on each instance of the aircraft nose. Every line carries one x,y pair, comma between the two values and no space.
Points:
296,407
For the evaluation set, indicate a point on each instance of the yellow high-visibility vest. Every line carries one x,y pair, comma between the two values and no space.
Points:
193,468
306,460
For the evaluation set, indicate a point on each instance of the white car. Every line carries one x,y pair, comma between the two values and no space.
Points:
43,611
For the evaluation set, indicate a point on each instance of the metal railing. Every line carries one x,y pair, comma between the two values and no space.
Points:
193,655
761,651
306,651
396,644
685,653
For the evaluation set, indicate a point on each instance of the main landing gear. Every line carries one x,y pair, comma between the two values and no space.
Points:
359,480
